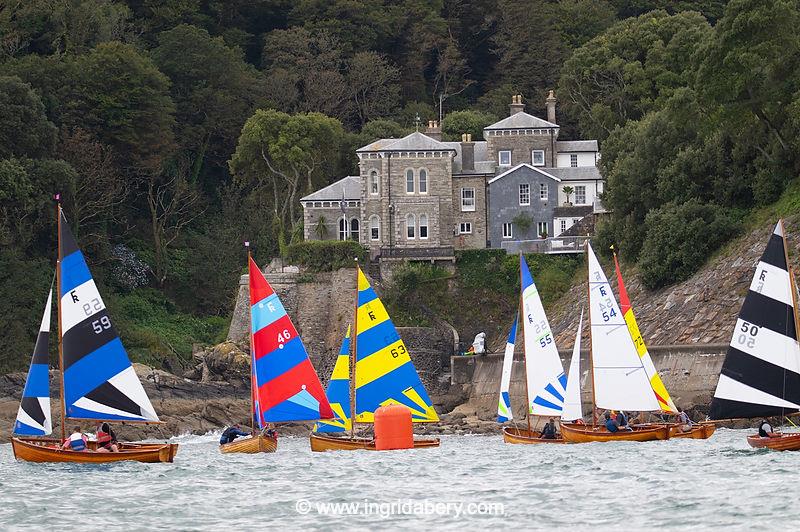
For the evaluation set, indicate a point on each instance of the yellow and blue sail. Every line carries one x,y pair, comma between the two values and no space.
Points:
338,392
384,372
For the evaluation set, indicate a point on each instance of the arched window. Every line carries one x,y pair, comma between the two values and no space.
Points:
423,226
354,229
374,228
342,229
411,226
409,181
373,182
423,181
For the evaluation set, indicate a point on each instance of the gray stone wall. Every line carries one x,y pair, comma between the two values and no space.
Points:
311,216
504,205
477,239
521,147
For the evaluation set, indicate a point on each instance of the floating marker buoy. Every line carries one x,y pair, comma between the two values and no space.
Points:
393,428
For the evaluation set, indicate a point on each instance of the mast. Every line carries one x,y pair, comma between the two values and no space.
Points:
58,292
591,361
524,353
252,350
791,281
353,354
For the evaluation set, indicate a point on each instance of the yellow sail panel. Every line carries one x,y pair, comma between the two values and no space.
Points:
384,372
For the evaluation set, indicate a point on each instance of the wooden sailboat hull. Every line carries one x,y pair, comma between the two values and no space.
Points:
321,443
46,450
251,445
587,433
786,442
700,431
515,435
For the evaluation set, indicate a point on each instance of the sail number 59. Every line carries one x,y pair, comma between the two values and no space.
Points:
100,325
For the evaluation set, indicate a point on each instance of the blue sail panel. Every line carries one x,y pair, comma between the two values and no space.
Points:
338,392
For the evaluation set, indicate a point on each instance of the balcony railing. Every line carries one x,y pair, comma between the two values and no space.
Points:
555,245
417,253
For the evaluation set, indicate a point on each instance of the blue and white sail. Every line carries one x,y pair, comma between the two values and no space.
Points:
545,375
34,417
504,412
99,380
573,408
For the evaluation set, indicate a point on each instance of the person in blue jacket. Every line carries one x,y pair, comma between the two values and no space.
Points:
231,433
611,423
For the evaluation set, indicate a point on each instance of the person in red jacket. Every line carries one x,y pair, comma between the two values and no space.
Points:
106,439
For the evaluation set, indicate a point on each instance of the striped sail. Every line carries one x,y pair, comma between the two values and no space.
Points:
662,395
504,412
546,381
573,408
34,417
384,372
761,373
99,380
288,388
620,381
338,392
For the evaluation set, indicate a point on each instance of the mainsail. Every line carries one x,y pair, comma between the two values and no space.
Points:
761,373
662,395
338,392
504,412
620,380
545,374
384,372
34,417
99,380
288,388
573,408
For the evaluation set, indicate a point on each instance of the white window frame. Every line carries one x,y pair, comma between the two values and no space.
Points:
374,224
344,228
533,157
583,189
465,207
544,191
412,182
411,226
508,230
423,222
500,158
563,225
374,183
542,227
422,172
355,234
524,193
465,228
573,160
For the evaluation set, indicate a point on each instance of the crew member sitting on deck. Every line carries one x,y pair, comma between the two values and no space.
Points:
270,433
106,439
684,423
611,423
622,421
76,441
765,430
549,431
231,433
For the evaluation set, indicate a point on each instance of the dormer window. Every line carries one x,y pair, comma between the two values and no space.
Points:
504,158
537,157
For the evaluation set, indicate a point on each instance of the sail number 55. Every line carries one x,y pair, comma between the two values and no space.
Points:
747,334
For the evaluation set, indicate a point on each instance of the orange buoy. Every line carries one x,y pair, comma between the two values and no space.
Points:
393,428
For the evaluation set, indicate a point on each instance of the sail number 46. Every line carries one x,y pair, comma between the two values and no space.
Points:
747,334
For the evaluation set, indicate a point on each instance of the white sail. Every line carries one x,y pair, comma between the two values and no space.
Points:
573,408
620,380
545,374
504,412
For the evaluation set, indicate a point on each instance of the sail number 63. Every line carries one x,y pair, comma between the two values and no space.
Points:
397,351
747,334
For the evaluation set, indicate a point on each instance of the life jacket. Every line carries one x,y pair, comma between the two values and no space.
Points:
76,442
103,437
549,430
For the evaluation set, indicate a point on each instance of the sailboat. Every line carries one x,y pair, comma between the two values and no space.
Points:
545,381
619,379
338,392
698,430
284,386
760,376
98,382
381,373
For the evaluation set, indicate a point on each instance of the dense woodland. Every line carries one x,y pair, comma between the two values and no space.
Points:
176,129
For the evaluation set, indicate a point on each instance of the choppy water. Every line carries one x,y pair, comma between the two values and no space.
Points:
719,483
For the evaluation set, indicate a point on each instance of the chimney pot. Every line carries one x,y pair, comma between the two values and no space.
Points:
467,153
550,103
516,105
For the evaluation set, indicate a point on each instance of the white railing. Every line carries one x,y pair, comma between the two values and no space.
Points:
562,244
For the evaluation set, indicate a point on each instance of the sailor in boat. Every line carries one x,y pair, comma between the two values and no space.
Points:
231,433
622,421
765,430
684,423
76,441
549,431
611,423
106,439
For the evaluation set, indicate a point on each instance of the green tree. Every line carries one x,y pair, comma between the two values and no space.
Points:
25,130
472,122
373,86
578,21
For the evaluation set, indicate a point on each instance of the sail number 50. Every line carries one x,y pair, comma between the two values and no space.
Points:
747,334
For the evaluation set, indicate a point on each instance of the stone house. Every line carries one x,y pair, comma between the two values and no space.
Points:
422,198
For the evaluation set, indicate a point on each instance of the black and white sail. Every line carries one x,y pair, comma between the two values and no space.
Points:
761,373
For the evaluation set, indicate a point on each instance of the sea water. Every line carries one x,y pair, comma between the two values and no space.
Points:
469,482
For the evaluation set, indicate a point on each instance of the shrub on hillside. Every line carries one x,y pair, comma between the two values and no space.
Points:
681,237
325,255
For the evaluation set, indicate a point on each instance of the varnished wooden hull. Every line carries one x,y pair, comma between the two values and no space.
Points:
515,435
321,442
700,431
46,450
587,433
786,442
251,445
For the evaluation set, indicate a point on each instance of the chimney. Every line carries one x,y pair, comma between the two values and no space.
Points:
516,105
467,153
434,130
550,103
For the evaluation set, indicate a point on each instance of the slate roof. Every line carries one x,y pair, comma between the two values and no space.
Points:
482,166
521,120
566,146
414,142
348,188
581,173
573,211
544,171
